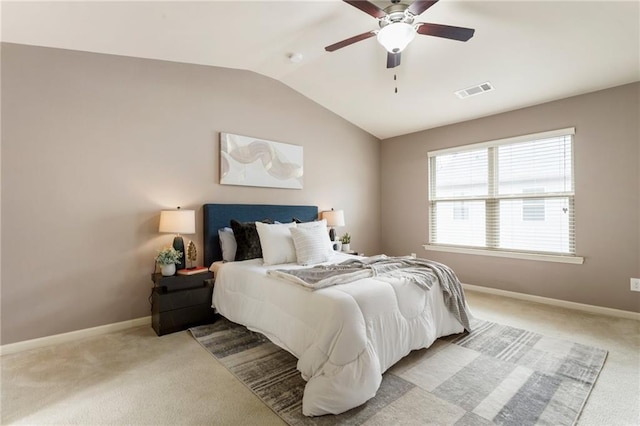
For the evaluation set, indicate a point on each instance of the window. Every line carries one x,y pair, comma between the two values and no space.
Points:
533,209
512,195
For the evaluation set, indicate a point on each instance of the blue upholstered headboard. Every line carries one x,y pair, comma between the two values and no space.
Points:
216,216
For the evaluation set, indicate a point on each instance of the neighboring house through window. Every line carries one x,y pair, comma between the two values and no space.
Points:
460,211
533,209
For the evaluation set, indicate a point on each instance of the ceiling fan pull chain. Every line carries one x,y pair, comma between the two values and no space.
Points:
395,78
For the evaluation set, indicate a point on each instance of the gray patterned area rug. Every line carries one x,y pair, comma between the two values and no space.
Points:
494,375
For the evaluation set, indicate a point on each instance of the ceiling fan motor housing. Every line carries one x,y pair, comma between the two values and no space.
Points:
396,13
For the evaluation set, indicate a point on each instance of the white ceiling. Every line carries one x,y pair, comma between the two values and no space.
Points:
531,51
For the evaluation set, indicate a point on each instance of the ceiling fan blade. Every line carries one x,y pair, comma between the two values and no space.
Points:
351,40
445,31
393,59
367,7
420,6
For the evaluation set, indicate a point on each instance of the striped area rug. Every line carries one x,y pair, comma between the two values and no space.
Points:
494,375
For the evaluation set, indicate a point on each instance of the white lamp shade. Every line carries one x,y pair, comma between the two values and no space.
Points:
178,221
334,218
395,37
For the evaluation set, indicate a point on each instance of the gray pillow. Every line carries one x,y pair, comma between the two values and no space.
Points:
228,244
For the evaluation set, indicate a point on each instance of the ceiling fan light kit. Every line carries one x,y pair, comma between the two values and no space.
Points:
395,37
397,29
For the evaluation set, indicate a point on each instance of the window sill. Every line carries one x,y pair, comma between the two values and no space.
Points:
577,260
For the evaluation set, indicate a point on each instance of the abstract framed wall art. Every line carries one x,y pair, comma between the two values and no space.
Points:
250,161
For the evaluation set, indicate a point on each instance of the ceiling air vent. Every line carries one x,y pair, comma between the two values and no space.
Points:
474,90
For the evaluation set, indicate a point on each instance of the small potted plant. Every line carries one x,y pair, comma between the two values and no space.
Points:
346,241
167,259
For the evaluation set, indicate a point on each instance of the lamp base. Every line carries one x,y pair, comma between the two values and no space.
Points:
332,234
178,245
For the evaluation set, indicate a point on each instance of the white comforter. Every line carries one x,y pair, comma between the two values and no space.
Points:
344,336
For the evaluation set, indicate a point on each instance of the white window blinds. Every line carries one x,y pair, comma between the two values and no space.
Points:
514,194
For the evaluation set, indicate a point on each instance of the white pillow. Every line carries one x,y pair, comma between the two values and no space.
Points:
319,224
277,245
312,244
313,224
227,244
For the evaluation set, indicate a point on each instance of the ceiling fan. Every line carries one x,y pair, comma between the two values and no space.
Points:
397,29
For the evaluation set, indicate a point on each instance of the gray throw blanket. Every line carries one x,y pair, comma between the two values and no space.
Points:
422,272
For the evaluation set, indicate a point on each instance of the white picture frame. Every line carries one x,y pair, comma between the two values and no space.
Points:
248,161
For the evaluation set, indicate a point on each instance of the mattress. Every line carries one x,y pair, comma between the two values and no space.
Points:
344,336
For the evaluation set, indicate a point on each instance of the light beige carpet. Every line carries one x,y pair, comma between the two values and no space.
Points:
134,377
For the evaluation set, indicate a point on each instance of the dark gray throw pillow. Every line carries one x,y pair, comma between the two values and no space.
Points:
296,220
247,239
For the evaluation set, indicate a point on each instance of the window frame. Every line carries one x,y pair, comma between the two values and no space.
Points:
493,198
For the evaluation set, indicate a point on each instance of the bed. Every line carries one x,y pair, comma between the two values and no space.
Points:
344,336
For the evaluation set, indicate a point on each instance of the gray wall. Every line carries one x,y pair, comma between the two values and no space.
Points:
607,201
94,146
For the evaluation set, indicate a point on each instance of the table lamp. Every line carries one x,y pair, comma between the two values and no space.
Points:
334,218
178,222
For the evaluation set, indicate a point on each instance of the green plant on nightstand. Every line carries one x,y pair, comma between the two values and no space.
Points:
346,240
167,259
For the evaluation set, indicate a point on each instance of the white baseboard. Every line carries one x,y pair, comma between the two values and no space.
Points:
555,302
25,345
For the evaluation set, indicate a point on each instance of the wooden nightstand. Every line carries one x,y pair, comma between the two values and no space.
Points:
181,301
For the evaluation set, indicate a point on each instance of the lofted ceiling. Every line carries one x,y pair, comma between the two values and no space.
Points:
531,51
